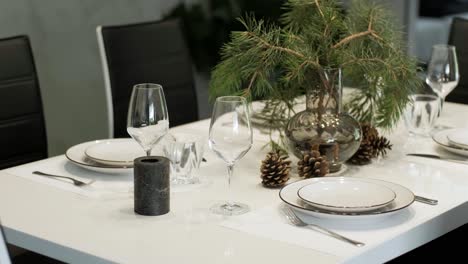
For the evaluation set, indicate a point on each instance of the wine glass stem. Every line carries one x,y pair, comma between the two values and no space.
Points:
230,201
442,101
148,152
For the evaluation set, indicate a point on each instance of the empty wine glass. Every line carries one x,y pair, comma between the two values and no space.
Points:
148,120
230,138
442,73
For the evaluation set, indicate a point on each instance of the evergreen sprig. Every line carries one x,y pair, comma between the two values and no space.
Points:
276,62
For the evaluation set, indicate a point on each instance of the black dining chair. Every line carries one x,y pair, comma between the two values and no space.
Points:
150,52
459,38
22,129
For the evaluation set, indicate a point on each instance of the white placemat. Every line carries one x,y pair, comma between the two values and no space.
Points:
269,222
105,185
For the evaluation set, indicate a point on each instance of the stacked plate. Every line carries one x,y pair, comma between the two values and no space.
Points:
106,156
454,140
346,197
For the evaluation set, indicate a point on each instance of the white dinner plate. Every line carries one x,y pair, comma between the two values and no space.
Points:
118,152
441,139
76,155
346,195
404,198
458,137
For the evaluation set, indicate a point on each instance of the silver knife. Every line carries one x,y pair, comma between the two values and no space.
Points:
426,200
432,156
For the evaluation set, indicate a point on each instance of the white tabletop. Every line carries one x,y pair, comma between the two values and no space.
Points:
79,229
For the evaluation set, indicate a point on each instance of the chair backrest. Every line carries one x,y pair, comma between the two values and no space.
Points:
459,38
152,52
22,130
4,256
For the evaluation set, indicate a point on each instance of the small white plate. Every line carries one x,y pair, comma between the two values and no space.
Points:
458,137
441,139
344,195
119,152
76,154
404,198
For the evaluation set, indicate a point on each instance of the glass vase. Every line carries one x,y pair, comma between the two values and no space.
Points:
322,126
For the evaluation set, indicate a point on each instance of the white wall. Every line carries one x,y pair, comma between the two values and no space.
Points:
63,39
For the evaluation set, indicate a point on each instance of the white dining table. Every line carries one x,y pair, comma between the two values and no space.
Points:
81,229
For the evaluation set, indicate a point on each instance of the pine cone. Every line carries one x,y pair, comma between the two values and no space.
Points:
313,165
275,170
369,132
380,146
363,155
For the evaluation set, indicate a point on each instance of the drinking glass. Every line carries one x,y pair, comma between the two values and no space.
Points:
185,151
148,120
421,114
442,73
230,138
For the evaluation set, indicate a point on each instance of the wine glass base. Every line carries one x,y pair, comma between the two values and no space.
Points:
230,208
184,181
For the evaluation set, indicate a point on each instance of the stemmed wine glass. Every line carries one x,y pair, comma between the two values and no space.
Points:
230,138
148,119
442,74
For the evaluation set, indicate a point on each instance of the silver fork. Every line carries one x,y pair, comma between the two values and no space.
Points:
75,181
295,220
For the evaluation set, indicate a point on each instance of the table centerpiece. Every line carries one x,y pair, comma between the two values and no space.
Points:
318,46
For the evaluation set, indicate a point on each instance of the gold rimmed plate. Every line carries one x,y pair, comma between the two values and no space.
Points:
404,198
76,155
115,152
341,194
442,140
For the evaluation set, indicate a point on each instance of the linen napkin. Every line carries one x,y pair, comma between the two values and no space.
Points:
269,222
104,185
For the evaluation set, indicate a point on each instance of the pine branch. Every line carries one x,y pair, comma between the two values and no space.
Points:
247,91
351,37
270,46
318,8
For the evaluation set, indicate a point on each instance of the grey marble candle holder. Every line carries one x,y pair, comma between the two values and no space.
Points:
151,185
